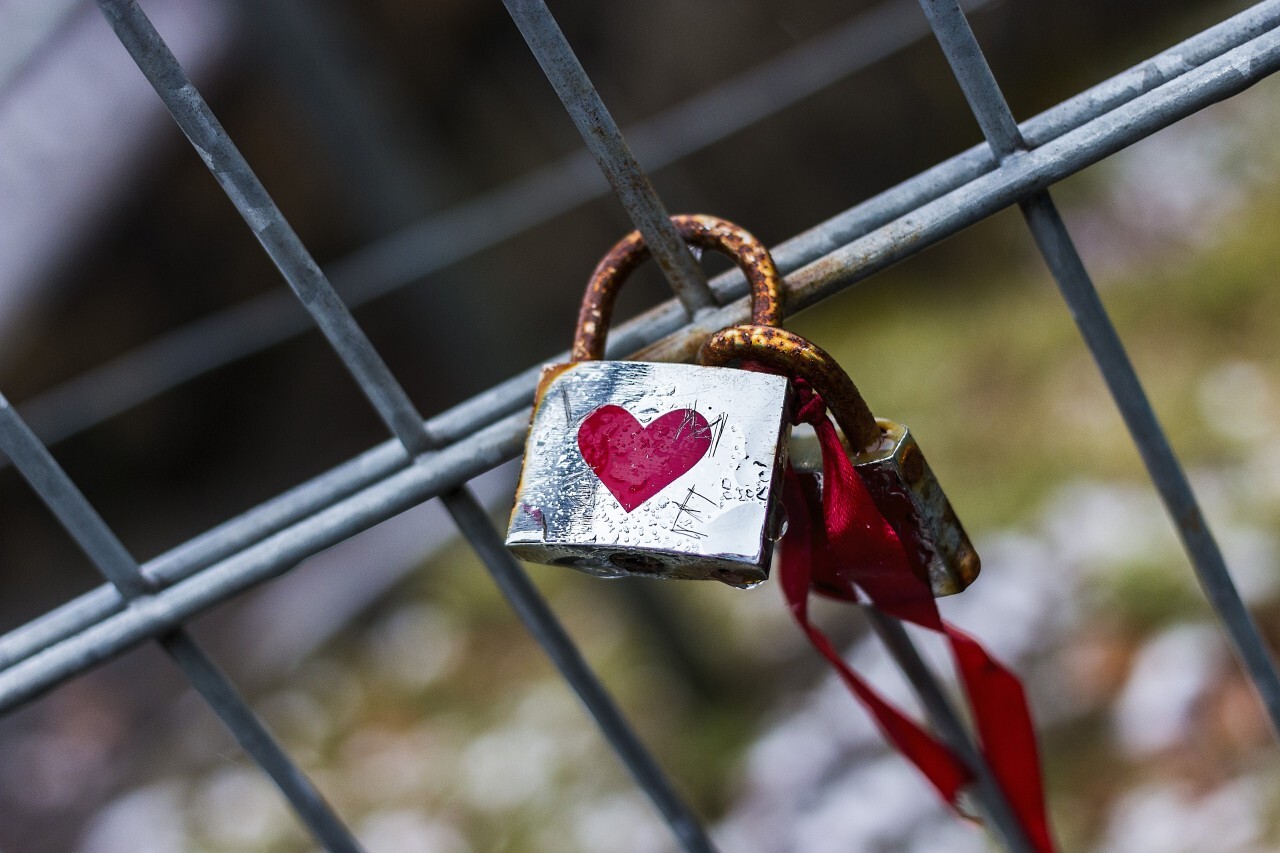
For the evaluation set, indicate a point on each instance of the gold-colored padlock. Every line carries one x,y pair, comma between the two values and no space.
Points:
883,452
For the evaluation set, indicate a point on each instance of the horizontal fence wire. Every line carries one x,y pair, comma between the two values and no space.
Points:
384,392
412,253
1077,113
488,429
112,559
971,70
436,457
221,338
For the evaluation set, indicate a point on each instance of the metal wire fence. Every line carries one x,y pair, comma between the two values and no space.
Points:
436,457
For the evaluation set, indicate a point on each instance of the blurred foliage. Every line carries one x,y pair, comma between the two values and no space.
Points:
969,343
983,362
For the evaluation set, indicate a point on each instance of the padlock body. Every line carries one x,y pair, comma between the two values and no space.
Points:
660,470
908,496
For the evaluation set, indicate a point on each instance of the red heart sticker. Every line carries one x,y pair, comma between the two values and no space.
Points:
636,462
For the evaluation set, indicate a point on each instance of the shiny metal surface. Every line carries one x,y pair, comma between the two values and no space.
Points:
710,522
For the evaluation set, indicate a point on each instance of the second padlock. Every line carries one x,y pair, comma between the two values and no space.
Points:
884,454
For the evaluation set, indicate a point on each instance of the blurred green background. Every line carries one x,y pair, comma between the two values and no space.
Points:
428,717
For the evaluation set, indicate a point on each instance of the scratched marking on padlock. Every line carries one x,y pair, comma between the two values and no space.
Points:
656,469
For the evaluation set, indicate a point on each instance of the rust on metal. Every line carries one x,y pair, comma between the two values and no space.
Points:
796,356
706,232
910,498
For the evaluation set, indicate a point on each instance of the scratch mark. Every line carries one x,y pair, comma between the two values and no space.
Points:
694,515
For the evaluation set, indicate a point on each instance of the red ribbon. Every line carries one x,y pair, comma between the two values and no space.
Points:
856,548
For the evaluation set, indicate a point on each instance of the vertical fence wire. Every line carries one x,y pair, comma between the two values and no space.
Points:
637,194
487,429
629,181
947,723
113,560
541,622
1007,142
228,166
385,394
458,232
974,75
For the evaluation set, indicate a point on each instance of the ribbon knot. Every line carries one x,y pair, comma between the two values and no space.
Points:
807,406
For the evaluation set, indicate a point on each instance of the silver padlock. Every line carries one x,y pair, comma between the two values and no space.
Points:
660,470
883,452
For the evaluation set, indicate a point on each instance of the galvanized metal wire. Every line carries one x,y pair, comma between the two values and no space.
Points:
1050,233
412,253
436,457
869,237
112,559
989,796
604,140
388,398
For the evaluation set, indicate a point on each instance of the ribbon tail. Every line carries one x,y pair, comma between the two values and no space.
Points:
1006,732
944,770
862,549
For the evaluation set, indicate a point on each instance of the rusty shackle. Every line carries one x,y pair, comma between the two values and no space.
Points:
706,232
796,356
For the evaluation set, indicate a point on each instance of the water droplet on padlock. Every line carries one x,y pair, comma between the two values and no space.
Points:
735,580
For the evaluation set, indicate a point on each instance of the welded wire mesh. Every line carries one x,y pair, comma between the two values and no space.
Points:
437,456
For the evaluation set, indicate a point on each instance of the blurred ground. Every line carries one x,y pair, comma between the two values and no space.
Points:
431,721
